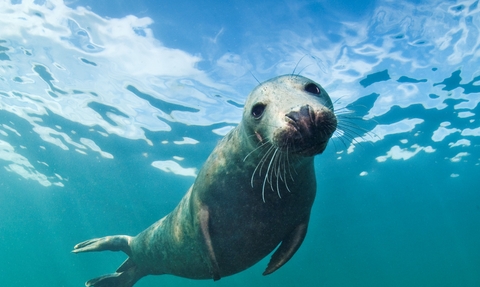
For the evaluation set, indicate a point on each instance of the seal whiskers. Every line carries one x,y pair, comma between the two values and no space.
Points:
260,164
287,166
267,176
276,170
254,150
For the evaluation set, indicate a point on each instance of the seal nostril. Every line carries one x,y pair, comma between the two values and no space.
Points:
294,116
312,115
305,111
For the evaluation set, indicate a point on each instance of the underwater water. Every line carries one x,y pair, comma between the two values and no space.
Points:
108,110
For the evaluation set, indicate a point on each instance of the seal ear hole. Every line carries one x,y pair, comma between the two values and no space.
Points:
312,88
257,110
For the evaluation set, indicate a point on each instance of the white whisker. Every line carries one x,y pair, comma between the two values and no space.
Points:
255,149
260,164
266,175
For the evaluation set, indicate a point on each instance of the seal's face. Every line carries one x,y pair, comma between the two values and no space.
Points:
293,113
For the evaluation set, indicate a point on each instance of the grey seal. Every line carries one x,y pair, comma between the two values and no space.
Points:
253,194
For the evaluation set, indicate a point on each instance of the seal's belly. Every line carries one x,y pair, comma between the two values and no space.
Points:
243,234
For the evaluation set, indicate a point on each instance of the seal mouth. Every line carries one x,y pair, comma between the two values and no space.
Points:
307,131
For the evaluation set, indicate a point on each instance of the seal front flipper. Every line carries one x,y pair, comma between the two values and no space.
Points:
112,243
204,225
288,247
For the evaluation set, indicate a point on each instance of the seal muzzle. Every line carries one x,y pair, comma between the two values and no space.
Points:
307,130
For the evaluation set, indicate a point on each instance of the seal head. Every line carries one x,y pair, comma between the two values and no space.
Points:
293,113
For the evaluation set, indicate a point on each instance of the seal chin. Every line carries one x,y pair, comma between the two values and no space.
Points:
312,150
301,146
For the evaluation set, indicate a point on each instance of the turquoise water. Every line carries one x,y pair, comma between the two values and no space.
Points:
107,113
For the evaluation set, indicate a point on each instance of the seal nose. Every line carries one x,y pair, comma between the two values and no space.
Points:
308,129
304,113
303,120
301,114
309,122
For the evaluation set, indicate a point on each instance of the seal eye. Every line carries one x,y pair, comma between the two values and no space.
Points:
312,88
257,110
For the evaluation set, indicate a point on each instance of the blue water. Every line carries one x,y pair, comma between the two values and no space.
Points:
107,112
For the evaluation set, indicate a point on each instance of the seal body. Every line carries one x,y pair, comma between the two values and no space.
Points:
253,194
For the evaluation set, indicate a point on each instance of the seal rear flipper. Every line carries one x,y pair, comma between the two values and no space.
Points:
288,247
126,278
112,243
127,264
119,279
